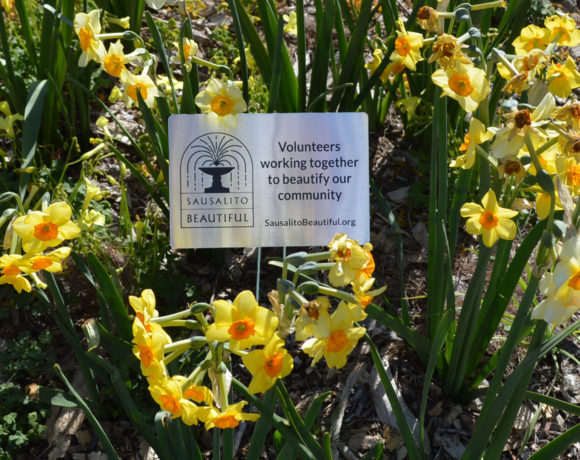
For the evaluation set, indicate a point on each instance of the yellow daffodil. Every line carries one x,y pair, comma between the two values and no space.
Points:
447,52
148,349
7,122
563,29
190,49
490,221
568,170
87,27
466,84
308,316
228,418
144,85
563,78
511,168
268,365
477,134
42,229
50,262
509,139
562,286
291,26
198,393
221,101
531,37
335,337
543,204
243,323
361,287
407,47
373,65
167,393
11,270
349,256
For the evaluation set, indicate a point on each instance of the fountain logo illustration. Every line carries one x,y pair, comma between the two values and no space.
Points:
216,183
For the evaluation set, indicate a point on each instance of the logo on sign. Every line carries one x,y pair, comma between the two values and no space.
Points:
216,184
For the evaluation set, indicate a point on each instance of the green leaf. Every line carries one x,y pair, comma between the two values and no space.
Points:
556,447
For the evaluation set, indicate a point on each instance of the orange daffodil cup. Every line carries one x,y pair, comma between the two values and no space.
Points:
254,333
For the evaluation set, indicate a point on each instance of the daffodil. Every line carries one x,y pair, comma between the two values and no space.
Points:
569,113
407,47
148,349
7,123
267,365
114,62
562,287
563,78
568,170
43,229
563,30
12,269
198,393
243,323
291,26
466,84
544,203
447,52
349,256
477,134
509,139
490,221
87,27
142,83
230,417
308,316
190,48
221,101
168,394
335,337
50,262
531,37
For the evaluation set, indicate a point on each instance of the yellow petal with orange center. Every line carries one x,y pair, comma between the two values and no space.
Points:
461,85
222,105
488,220
46,231
336,342
242,329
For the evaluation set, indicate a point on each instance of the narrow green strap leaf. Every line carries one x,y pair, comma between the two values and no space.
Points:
156,134
438,341
281,424
26,29
314,409
31,126
276,69
419,343
554,402
241,49
261,429
321,57
103,438
301,38
158,40
554,448
404,428
190,79
113,296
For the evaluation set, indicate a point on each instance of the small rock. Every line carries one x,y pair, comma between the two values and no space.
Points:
450,444
571,388
362,442
436,410
83,437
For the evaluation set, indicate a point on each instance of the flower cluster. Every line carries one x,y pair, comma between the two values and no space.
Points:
256,334
39,231
220,100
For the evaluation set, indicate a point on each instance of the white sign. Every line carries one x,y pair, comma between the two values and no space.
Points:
273,180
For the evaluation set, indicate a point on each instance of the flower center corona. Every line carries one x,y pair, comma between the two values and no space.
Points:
574,281
222,105
273,365
114,65
523,118
488,220
146,355
41,263
461,85
85,36
170,404
226,421
336,342
46,231
132,91
242,329
11,270
465,144
402,46
573,175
